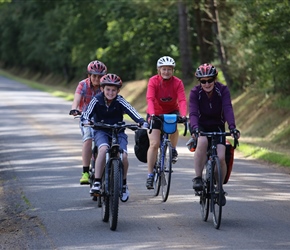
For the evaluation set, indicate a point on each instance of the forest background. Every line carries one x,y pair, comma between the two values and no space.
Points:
51,42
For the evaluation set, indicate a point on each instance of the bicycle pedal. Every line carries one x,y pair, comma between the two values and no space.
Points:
85,183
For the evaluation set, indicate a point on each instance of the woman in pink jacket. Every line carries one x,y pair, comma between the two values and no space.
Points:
165,95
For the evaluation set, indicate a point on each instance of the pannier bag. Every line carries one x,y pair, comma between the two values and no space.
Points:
141,144
229,160
169,123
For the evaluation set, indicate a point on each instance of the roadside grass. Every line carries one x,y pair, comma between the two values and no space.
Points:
248,150
264,154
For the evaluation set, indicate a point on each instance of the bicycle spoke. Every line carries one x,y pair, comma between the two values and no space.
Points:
166,171
104,201
114,194
217,193
204,198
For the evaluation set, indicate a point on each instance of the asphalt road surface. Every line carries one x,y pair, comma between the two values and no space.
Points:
40,152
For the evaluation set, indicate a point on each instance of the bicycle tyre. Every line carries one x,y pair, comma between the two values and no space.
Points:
165,174
104,200
156,180
114,193
216,195
204,198
92,165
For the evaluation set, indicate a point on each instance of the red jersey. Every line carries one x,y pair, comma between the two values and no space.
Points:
165,96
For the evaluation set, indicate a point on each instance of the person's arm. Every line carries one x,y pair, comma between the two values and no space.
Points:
150,96
76,101
181,99
88,114
130,110
228,108
193,108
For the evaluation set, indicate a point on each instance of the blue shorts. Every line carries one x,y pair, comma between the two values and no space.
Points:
103,138
87,132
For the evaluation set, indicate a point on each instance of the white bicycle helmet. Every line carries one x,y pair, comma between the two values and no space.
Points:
165,61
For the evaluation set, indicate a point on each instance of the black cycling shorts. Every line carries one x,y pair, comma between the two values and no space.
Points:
221,139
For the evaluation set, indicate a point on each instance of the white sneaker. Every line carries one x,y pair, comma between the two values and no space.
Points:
95,188
125,193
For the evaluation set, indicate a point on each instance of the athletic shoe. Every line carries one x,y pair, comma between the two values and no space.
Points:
197,183
174,156
85,179
125,193
96,188
149,183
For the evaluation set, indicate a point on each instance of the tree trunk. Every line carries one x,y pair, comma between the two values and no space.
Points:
204,33
219,45
185,52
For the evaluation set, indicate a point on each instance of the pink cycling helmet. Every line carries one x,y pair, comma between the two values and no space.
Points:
112,80
97,68
206,70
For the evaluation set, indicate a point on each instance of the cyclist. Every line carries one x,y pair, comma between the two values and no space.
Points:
109,107
210,107
165,95
85,90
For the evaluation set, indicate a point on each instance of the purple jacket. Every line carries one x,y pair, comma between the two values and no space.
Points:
208,112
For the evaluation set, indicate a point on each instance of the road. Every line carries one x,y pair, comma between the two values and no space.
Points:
40,160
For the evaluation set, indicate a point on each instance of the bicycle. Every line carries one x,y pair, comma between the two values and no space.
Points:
92,162
163,167
212,193
112,178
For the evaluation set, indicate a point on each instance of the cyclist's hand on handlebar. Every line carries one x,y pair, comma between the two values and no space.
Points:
183,119
87,122
75,112
144,125
195,133
235,133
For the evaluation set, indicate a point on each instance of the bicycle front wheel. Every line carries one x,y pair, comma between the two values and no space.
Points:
204,198
114,193
156,181
166,170
104,201
217,193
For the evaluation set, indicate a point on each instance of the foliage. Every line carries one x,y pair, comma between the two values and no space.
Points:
63,36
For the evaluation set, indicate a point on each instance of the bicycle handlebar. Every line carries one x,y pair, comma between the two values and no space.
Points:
97,125
212,134
160,118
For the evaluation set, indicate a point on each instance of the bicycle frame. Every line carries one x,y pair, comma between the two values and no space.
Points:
212,193
163,165
113,153
112,179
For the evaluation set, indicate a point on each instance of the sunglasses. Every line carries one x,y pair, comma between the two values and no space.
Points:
167,99
206,81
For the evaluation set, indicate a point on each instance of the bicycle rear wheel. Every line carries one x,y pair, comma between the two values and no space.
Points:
217,193
166,170
114,193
